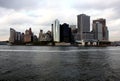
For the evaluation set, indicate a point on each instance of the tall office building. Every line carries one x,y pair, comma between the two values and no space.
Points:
105,32
97,30
28,37
18,37
56,31
65,33
12,35
22,37
83,22
41,35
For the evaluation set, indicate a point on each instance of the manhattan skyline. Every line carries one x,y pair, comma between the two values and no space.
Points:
40,14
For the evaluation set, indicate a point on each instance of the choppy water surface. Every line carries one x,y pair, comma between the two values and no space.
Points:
30,63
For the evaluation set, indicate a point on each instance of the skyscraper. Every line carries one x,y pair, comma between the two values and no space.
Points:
97,30
18,37
12,35
41,35
83,22
28,37
105,32
65,33
56,31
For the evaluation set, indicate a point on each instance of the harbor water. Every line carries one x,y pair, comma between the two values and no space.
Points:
47,63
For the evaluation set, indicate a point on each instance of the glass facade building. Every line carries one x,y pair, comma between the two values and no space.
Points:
56,31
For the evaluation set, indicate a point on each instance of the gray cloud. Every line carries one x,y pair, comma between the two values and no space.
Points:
21,4
32,4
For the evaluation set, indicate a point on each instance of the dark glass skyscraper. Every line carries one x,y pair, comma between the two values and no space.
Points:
65,33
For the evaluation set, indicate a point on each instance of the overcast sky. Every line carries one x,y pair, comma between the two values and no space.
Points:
39,14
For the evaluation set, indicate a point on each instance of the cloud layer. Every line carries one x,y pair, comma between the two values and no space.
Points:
39,14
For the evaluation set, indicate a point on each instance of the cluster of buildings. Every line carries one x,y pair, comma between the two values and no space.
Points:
61,32
28,37
82,34
65,33
20,38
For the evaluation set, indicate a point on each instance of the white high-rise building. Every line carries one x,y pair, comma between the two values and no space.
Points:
56,31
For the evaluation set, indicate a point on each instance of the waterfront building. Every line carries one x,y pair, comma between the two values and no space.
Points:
83,22
48,36
12,35
22,38
74,33
15,37
56,31
88,36
31,33
65,33
28,36
105,32
18,38
45,36
41,36
97,30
